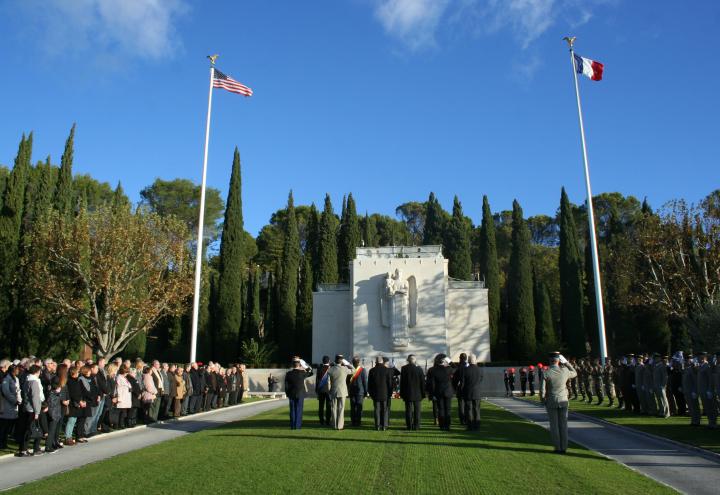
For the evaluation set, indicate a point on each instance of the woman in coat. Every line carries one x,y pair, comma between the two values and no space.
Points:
124,396
439,386
188,390
110,411
136,395
10,399
77,406
149,393
90,396
28,427
180,391
57,402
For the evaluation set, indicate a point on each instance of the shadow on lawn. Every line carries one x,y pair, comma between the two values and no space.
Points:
542,448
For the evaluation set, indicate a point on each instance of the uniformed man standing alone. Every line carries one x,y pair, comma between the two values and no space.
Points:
556,400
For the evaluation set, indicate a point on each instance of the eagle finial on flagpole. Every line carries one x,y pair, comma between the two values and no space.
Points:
570,41
212,58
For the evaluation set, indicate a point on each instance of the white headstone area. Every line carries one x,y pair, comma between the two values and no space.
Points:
400,301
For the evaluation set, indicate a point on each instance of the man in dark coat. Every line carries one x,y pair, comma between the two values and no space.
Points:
322,389
412,384
357,389
380,383
457,381
439,386
197,389
472,393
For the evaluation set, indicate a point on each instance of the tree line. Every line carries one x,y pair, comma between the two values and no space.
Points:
660,270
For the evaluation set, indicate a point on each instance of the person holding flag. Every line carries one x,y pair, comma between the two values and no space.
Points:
358,390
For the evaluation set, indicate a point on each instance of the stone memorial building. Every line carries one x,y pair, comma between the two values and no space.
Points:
401,301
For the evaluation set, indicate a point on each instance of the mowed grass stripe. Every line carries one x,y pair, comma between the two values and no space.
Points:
262,455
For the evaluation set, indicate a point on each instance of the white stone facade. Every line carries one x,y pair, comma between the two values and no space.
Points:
446,316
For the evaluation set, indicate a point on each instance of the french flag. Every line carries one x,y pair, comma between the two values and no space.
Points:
589,68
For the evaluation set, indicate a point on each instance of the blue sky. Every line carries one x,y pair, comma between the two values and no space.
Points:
387,99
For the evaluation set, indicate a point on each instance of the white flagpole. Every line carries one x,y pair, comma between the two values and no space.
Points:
591,215
201,226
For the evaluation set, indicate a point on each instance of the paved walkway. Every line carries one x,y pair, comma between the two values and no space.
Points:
16,471
685,470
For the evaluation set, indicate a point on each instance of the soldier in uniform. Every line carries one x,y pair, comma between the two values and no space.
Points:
531,380
556,402
690,390
597,380
660,381
587,371
632,403
706,391
541,381
617,378
676,375
649,387
639,387
574,382
608,377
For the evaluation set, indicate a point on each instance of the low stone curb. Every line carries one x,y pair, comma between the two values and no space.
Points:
159,423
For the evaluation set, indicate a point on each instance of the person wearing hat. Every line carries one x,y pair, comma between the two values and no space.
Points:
632,403
608,372
295,390
556,400
660,381
676,373
690,390
706,391
380,383
339,373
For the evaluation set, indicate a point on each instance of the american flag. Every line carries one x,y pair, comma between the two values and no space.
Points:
223,81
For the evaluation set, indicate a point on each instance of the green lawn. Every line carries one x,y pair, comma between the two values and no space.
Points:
675,428
262,455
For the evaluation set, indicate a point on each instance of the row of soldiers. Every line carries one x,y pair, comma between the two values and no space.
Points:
653,385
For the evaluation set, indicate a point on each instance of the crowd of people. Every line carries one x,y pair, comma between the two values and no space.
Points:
643,384
65,404
339,380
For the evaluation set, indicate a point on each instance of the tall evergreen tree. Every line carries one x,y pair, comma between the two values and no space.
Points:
327,251
572,321
369,231
303,344
349,239
457,242
11,218
269,310
120,200
490,271
254,316
521,331
64,193
288,289
434,222
544,326
312,244
231,268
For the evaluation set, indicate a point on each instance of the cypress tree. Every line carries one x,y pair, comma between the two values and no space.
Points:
544,326
521,331
457,242
11,218
312,244
349,239
327,251
434,222
490,270
572,323
288,289
229,290
119,199
369,231
304,309
254,318
64,192
269,316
